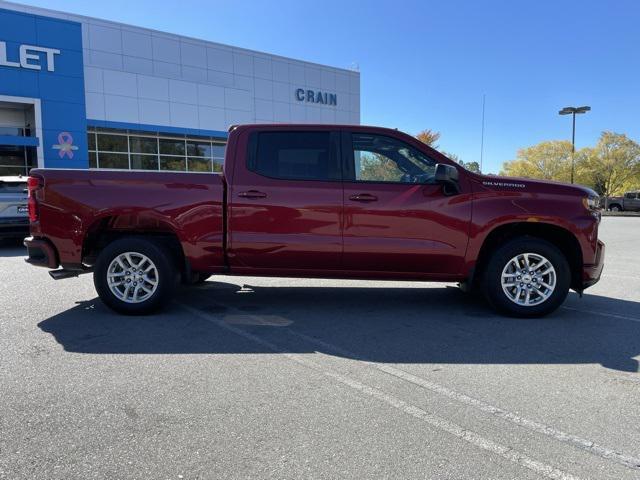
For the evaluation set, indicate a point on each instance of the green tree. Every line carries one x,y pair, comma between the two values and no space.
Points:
549,160
376,167
612,166
471,166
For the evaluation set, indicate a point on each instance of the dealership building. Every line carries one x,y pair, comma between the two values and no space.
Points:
79,92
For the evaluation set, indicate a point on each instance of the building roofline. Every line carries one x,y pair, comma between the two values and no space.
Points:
18,7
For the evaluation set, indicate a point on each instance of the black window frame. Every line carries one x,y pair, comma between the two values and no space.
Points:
335,155
348,159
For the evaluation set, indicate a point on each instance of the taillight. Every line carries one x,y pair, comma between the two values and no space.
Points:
33,184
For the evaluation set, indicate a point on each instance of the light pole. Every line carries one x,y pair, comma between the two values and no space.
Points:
573,111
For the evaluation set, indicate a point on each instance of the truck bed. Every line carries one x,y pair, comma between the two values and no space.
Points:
74,203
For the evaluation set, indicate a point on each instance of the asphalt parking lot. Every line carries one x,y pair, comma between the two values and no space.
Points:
288,378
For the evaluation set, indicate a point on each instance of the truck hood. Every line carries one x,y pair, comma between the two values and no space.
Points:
517,184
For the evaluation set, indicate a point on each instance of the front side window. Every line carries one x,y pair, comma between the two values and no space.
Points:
377,158
295,156
630,195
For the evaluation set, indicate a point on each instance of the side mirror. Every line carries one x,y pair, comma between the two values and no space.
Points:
448,177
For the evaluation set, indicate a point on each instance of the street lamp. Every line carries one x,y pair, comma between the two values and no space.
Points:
573,111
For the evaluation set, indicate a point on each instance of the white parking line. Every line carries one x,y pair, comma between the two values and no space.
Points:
466,435
576,441
603,314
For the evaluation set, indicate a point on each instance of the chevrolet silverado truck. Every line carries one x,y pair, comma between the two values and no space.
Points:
317,201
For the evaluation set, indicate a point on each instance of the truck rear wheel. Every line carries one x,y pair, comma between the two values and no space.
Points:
526,277
135,276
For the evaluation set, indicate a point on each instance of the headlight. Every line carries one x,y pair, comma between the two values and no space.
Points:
592,202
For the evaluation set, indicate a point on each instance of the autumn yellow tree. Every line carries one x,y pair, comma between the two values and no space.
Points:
549,160
430,137
612,166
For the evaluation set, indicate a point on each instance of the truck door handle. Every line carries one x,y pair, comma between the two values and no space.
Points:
363,197
252,194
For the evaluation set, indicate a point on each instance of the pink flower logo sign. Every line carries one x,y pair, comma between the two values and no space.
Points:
65,145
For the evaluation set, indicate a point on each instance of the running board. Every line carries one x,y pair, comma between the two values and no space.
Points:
63,273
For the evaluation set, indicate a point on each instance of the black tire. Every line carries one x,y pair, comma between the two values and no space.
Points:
492,275
167,275
615,208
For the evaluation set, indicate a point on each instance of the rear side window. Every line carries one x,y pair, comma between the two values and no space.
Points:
295,155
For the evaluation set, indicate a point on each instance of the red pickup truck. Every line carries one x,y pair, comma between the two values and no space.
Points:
317,201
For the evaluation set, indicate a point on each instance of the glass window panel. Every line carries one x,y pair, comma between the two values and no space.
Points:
143,145
199,164
12,156
384,159
199,149
32,157
173,163
113,160
111,130
217,165
200,138
93,162
171,147
218,151
12,171
146,134
112,143
12,160
91,137
296,155
144,162
12,131
11,150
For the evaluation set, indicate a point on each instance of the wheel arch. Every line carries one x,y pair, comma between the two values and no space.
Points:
109,228
558,236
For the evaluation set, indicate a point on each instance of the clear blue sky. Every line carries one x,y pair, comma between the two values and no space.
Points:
426,64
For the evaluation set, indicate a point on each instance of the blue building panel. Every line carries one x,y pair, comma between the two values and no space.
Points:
17,27
61,34
58,82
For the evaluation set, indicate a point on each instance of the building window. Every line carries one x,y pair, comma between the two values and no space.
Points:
123,149
17,160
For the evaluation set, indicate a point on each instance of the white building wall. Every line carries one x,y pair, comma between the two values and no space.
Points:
137,75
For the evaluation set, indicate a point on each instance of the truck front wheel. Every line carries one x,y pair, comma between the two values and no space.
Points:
135,276
526,277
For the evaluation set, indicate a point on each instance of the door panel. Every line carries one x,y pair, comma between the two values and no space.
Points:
408,227
287,223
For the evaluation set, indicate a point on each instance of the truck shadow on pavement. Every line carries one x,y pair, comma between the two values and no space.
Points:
395,325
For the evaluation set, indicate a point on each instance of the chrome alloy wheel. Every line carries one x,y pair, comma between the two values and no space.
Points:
132,277
528,279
